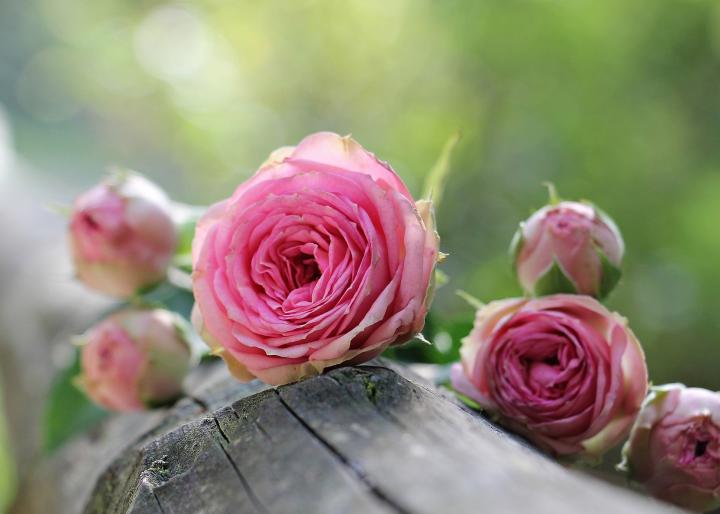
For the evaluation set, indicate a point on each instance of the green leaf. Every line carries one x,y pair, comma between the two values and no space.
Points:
445,337
435,181
610,275
8,480
68,412
554,281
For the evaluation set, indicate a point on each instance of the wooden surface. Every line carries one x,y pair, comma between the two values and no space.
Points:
368,439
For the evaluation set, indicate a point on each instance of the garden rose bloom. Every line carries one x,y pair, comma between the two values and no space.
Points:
561,370
674,447
568,247
321,258
122,235
134,359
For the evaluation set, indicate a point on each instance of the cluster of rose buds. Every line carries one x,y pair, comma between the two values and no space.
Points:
559,369
123,238
570,376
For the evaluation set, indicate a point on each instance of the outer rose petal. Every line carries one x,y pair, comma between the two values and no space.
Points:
346,153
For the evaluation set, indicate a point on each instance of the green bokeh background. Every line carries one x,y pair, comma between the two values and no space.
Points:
615,101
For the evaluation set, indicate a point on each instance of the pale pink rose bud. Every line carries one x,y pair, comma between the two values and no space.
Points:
561,370
674,447
135,359
321,258
568,247
122,235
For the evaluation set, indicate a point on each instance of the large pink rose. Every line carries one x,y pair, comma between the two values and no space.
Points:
122,235
674,447
321,258
568,247
561,370
134,359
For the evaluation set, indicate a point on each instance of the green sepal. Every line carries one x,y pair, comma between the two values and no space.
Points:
466,400
470,299
554,281
435,181
659,392
553,197
515,246
609,277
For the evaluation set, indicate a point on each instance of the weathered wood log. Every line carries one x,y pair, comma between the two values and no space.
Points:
366,439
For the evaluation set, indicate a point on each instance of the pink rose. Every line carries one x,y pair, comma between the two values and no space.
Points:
134,359
321,258
568,247
122,235
674,447
561,370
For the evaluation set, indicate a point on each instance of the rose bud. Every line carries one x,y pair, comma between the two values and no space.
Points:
135,359
568,247
122,235
321,258
674,447
561,370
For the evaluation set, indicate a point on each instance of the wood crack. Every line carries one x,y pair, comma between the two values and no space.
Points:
353,467
157,500
246,486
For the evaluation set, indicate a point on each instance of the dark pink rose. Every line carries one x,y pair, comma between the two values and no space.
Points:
674,447
134,359
568,247
561,370
321,258
122,235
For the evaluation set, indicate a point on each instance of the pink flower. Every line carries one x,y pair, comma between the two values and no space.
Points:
674,447
568,247
134,359
321,258
122,235
561,370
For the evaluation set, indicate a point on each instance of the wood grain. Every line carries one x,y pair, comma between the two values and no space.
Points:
365,439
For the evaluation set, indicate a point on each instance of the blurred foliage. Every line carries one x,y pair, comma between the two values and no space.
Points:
613,101
68,411
7,472
445,336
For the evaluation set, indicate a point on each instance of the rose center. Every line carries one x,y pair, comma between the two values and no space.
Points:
89,222
699,445
700,448
306,270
